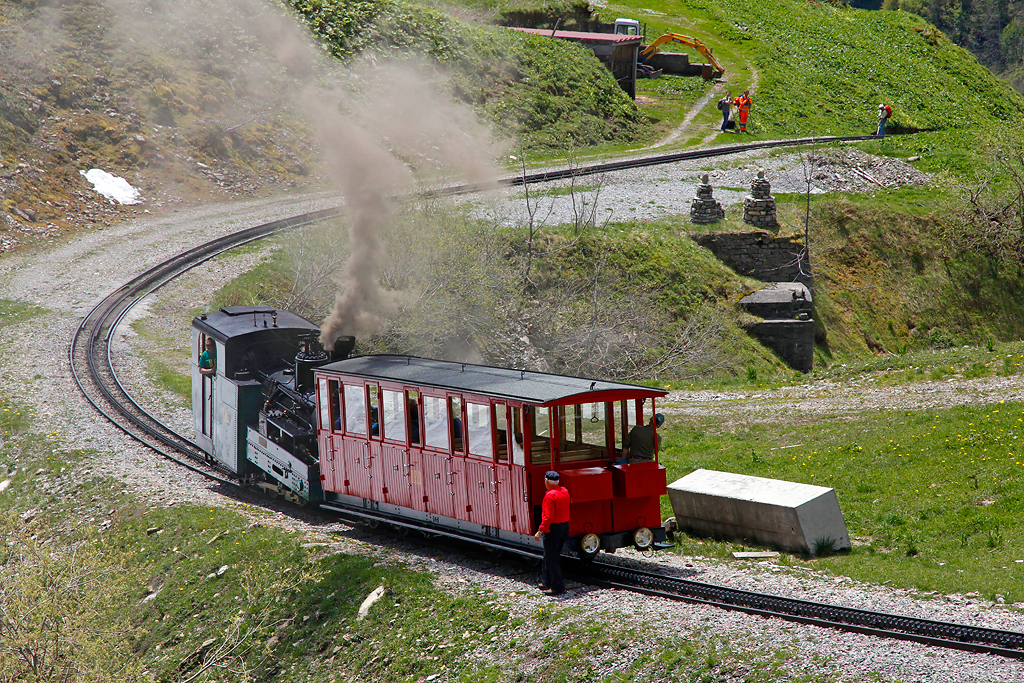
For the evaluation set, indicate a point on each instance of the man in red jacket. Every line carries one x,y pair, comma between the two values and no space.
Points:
554,524
743,103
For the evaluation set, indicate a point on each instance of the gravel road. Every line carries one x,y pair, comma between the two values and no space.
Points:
68,278
654,192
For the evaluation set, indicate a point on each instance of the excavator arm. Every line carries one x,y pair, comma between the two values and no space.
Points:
695,43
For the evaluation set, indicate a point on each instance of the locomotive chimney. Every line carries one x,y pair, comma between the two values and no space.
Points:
342,347
311,356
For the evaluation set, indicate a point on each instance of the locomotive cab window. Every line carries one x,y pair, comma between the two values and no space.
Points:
206,355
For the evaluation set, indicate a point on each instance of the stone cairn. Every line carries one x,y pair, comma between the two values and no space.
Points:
759,206
703,208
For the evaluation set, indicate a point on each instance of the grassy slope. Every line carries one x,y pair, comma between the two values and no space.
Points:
888,276
822,68
543,94
945,515
107,585
139,105
827,66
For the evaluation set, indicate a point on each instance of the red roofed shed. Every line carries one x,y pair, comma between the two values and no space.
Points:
618,52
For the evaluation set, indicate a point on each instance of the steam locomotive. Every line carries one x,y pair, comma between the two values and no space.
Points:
451,446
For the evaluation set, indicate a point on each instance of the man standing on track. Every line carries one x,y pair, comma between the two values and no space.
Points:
554,524
743,103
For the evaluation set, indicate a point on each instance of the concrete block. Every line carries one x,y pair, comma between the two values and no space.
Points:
782,514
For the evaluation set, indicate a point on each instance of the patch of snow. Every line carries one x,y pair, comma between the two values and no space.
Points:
112,186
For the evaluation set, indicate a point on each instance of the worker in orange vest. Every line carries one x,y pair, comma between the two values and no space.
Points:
743,103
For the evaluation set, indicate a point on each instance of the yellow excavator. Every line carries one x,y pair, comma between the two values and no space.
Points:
695,43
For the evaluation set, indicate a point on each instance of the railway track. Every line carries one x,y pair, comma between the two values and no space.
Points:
91,359
94,372
626,164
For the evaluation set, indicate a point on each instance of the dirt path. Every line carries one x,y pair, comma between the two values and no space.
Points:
825,399
683,130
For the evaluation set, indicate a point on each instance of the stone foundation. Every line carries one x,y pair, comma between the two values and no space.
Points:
787,327
760,255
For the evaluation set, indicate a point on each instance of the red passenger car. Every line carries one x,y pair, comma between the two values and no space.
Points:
465,447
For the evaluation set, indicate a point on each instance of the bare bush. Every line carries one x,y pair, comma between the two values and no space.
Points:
466,296
991,209
315,256
532,299
61,610
590,328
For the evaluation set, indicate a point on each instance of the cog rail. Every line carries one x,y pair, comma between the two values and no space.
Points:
94,371
626,164
938,633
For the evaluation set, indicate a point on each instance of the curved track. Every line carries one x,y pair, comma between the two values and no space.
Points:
94,372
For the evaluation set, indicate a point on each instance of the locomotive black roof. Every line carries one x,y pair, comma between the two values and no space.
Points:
521,385
234,321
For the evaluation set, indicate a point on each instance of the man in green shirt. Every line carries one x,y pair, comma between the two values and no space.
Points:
208,359
642,442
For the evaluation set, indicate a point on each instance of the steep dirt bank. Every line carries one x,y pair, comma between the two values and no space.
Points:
82,87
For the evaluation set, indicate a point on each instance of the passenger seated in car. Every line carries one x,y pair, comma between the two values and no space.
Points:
414,422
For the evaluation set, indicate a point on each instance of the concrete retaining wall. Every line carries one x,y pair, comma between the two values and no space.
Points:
791,340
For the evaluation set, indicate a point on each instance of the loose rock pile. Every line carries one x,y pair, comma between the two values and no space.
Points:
851,170
704,208
759,206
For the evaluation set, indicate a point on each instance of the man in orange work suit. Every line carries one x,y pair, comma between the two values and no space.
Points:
743,103
554,524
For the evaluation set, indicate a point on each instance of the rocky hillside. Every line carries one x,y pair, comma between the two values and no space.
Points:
87,84
195,101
